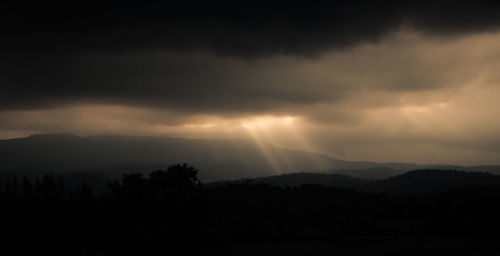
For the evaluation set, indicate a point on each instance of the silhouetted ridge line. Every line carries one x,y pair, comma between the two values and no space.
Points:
113,155
413,182
298,179
433,180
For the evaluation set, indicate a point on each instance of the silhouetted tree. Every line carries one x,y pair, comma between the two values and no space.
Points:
82,192
27,188
165,211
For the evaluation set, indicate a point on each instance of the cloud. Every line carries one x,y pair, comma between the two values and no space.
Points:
202,82
245,29
229,57
410,95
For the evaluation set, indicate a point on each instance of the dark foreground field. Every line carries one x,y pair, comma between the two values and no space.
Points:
367,246
171,213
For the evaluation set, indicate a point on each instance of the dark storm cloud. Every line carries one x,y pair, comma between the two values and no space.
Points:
145,52
237,28
243,28
190,82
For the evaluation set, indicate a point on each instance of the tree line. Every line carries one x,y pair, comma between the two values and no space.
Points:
172,212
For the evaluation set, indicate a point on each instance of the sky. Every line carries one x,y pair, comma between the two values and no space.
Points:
356,80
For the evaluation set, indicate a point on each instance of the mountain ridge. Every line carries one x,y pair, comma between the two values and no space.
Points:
412,182
218,159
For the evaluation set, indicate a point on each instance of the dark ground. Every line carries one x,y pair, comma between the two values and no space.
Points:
172,213
367,246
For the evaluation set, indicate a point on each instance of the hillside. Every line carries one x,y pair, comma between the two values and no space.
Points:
220,159
413,182
432,181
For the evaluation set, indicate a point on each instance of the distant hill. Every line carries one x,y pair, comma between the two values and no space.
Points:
375,173
297,179
432,181
413,182
217,159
